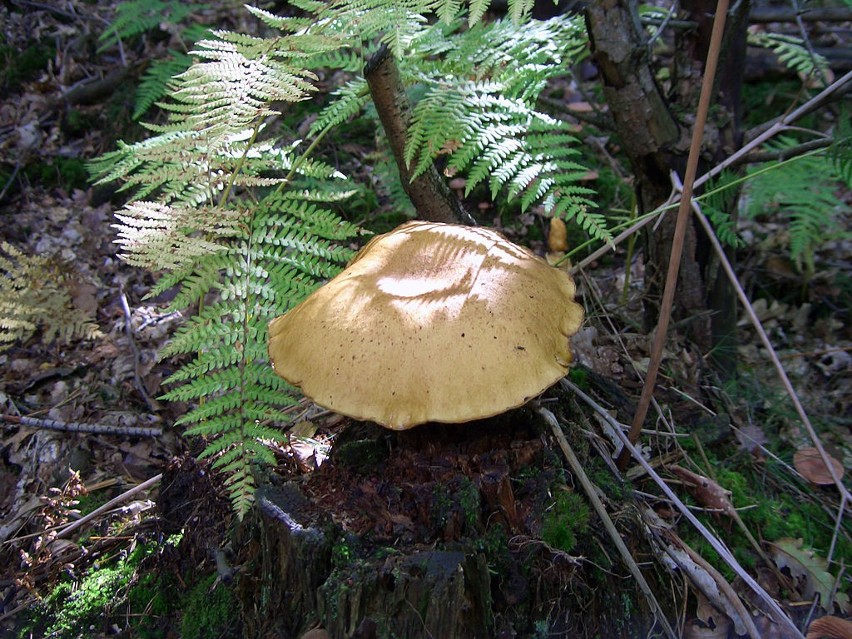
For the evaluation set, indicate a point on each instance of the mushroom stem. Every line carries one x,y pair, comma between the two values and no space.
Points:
428,192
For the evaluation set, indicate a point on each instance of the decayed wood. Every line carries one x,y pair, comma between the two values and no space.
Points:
428,192
422,593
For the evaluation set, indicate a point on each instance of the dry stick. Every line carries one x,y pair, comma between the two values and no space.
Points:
776,128
589,488
107,506
680,227
137,356
719,580
778,615
77,427
779,367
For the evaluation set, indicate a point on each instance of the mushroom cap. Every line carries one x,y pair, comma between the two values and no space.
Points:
430,322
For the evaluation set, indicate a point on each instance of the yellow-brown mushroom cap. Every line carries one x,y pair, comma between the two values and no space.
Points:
430,322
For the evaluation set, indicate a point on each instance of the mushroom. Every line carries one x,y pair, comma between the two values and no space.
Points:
430,323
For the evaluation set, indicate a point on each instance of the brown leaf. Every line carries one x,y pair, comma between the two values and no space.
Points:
750,437
810,465
809,569
706,491
830,628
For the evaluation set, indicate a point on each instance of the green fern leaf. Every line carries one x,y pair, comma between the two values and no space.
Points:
792,52
154,83
802,192
135,17
348,100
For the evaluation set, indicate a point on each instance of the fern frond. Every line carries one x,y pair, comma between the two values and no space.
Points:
521,57
722,195
792,52
802,191
160,236
134,17
35,294
520,9
840,150
506,143
347,101
154,83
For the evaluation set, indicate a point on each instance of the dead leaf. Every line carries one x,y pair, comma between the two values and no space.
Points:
830,628
84,296
808,568
714,624
750,437
696,630
810,465
706,491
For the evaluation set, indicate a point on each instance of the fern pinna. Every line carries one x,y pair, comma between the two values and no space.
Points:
241,224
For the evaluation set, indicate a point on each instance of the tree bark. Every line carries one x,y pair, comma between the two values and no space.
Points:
656,144
429,193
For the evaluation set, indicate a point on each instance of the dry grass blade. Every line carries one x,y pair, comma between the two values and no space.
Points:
778,615
589,489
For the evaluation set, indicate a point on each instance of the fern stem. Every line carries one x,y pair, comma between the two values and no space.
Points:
631,248
227,192
299,161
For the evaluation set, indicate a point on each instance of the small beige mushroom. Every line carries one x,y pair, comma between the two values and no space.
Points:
430,323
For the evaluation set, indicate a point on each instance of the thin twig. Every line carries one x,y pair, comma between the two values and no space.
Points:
78,427
766,131
776,612
589,489
845,496
680,227
128,330
778,155
109,505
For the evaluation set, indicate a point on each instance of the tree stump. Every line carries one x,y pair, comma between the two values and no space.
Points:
438,533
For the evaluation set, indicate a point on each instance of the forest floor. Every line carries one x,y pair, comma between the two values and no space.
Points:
65,102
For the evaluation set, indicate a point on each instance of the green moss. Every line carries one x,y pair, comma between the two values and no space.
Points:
460,498
18,66
154,599
70,612
361,456
494,545
67,173
564,520
88,503
209,611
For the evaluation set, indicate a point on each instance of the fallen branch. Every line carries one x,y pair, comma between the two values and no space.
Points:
108,506
78,427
